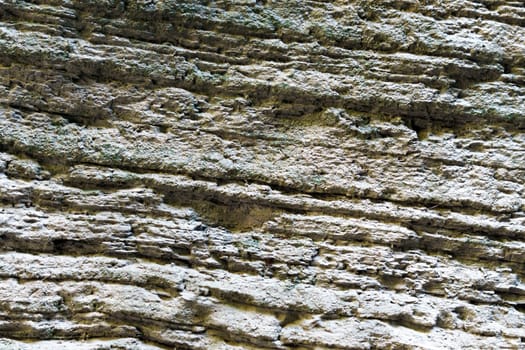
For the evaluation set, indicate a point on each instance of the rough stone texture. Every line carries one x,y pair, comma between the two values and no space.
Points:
262,174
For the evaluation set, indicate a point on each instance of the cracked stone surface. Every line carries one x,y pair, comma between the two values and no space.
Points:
262,174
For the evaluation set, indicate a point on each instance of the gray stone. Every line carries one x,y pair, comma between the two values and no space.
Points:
262,174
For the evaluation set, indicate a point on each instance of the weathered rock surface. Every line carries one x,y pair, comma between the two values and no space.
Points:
262,174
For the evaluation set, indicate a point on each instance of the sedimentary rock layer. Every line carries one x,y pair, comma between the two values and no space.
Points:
262,174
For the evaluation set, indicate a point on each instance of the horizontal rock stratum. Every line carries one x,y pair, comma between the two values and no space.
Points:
262,174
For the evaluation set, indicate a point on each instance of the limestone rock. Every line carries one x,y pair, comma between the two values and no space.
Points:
262,174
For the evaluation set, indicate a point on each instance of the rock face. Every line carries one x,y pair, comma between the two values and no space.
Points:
262,174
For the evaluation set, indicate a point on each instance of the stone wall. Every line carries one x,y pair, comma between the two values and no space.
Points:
262,174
